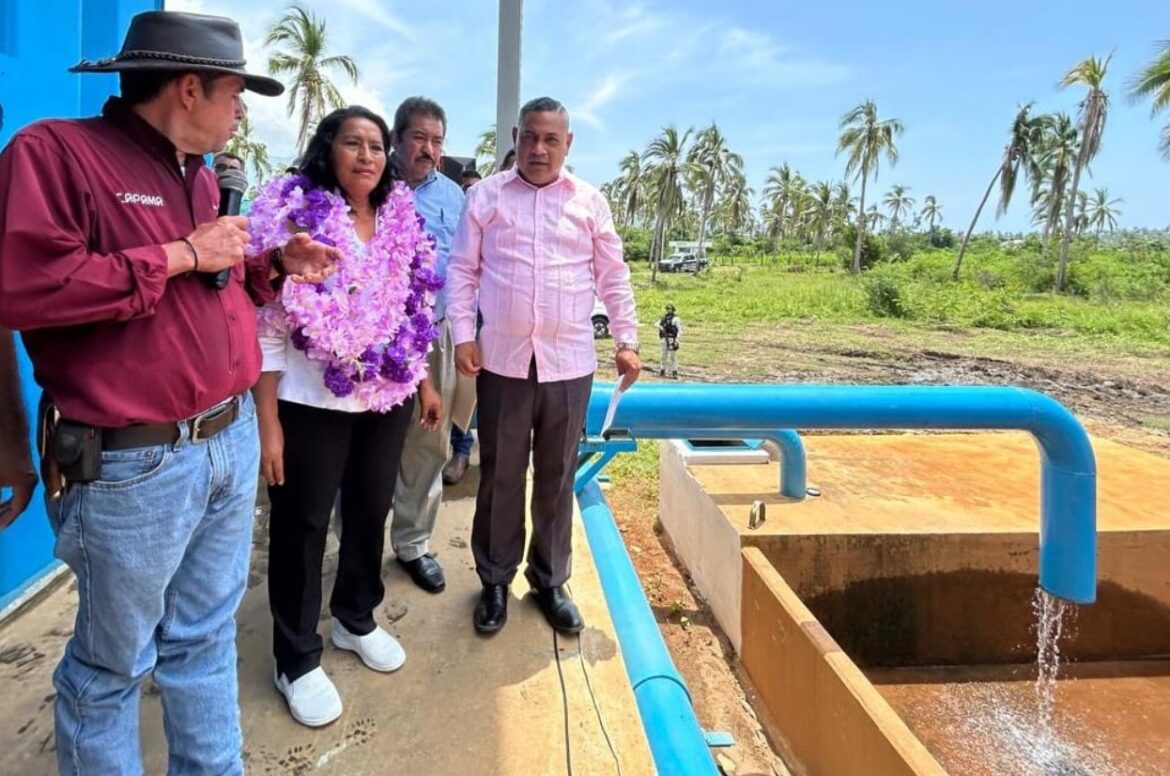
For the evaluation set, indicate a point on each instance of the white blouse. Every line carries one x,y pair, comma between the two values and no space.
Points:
302,380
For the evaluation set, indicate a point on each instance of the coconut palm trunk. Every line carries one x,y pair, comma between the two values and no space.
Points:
971,228
703,228
860,229
1069,222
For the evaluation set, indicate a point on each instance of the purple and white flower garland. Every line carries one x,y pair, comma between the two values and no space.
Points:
370,323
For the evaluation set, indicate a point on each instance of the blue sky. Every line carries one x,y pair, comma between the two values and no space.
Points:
776,76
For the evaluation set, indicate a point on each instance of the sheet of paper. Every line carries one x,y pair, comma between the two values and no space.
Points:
613,405
463,404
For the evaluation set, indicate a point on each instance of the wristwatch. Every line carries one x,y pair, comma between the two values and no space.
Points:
630,346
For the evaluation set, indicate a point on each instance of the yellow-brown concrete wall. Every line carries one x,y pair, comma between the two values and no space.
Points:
703,539
923,548
818,705
922,599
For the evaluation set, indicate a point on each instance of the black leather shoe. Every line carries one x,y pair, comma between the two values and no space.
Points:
492,610
559,609
426,573
454,470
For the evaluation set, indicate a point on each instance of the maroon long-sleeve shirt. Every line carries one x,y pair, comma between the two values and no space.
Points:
85,207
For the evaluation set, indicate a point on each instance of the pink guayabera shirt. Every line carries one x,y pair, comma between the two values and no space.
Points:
538,257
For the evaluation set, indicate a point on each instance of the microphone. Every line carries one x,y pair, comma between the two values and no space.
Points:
232,185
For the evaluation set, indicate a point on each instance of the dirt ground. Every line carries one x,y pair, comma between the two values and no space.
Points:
1123,398
722,694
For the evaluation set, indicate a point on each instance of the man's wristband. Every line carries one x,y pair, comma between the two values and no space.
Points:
194,253
628,346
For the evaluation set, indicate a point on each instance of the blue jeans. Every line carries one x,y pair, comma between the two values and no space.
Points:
461,442
160,546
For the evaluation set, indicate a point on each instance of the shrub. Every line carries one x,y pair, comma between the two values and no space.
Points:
636,243
942,238
872,250
899,245
883,296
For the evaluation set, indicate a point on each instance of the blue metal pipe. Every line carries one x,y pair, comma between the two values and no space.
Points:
1068,521
664,703
793,466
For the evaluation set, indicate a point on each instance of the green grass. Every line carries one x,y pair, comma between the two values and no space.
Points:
641,465
1111,302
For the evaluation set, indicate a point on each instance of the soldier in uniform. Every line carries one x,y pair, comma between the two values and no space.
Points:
669,331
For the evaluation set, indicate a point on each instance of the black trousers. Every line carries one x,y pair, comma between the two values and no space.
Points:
518,417
327,450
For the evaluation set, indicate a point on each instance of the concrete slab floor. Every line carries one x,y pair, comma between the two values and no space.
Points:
462,704
934,483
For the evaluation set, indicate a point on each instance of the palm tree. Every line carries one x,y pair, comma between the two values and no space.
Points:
1094,110
1054,157
1023,141
303,58
772,219
667,152
710,165
609,191
252,150
798,206
844,205
866,138
931,212
1081,222
898,204
734,211
820,216
874,218
630,185
486,150
778,191
1102,212
1154,82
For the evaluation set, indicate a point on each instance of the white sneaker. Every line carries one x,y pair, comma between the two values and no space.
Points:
377,649
312,699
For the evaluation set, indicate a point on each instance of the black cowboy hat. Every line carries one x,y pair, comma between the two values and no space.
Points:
168,40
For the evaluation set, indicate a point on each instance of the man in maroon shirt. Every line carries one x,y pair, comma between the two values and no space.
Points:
109,237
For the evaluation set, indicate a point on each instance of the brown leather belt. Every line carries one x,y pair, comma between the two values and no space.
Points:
202,427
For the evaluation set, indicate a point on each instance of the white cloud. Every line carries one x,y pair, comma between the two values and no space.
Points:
603,94
376,11
631,23
757,56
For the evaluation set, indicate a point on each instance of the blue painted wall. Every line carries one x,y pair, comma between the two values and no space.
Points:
39,41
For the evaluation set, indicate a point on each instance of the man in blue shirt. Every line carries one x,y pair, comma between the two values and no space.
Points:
420,126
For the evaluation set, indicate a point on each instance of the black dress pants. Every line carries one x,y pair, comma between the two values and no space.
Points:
518,417
324,451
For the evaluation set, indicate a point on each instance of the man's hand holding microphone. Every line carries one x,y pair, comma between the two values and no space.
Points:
217,246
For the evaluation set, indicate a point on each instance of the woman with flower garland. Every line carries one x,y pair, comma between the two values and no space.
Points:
343,361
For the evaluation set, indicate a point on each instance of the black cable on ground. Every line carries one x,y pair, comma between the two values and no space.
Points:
564,705
593,698
612,750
